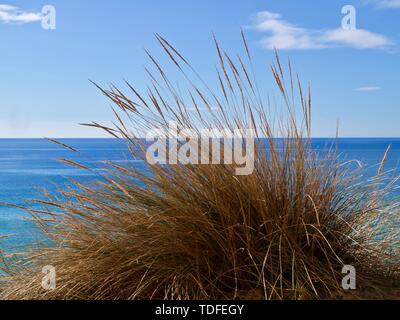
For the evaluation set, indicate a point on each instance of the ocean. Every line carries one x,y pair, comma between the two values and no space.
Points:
28,166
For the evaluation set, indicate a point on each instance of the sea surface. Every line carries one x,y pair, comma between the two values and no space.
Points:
28,166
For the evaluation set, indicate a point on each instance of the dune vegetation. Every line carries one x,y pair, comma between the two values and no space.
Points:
202,232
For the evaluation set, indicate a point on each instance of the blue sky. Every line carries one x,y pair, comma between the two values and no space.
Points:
44,74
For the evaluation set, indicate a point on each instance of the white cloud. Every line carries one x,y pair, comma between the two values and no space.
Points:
368,88
358,38
284,35
11,14
388,4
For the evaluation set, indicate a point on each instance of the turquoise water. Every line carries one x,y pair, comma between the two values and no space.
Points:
27,166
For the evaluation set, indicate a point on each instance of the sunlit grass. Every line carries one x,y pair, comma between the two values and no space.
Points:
202,232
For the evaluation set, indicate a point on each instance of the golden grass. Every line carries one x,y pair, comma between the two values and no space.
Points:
200,231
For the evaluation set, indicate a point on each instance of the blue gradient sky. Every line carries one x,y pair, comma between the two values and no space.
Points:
44,86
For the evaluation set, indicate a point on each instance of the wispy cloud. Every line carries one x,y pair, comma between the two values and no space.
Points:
11,14
387,4
368,88
284,35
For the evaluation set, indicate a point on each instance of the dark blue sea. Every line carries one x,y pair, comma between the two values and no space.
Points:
28,166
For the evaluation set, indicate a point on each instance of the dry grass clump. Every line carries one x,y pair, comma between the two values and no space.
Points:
200,231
